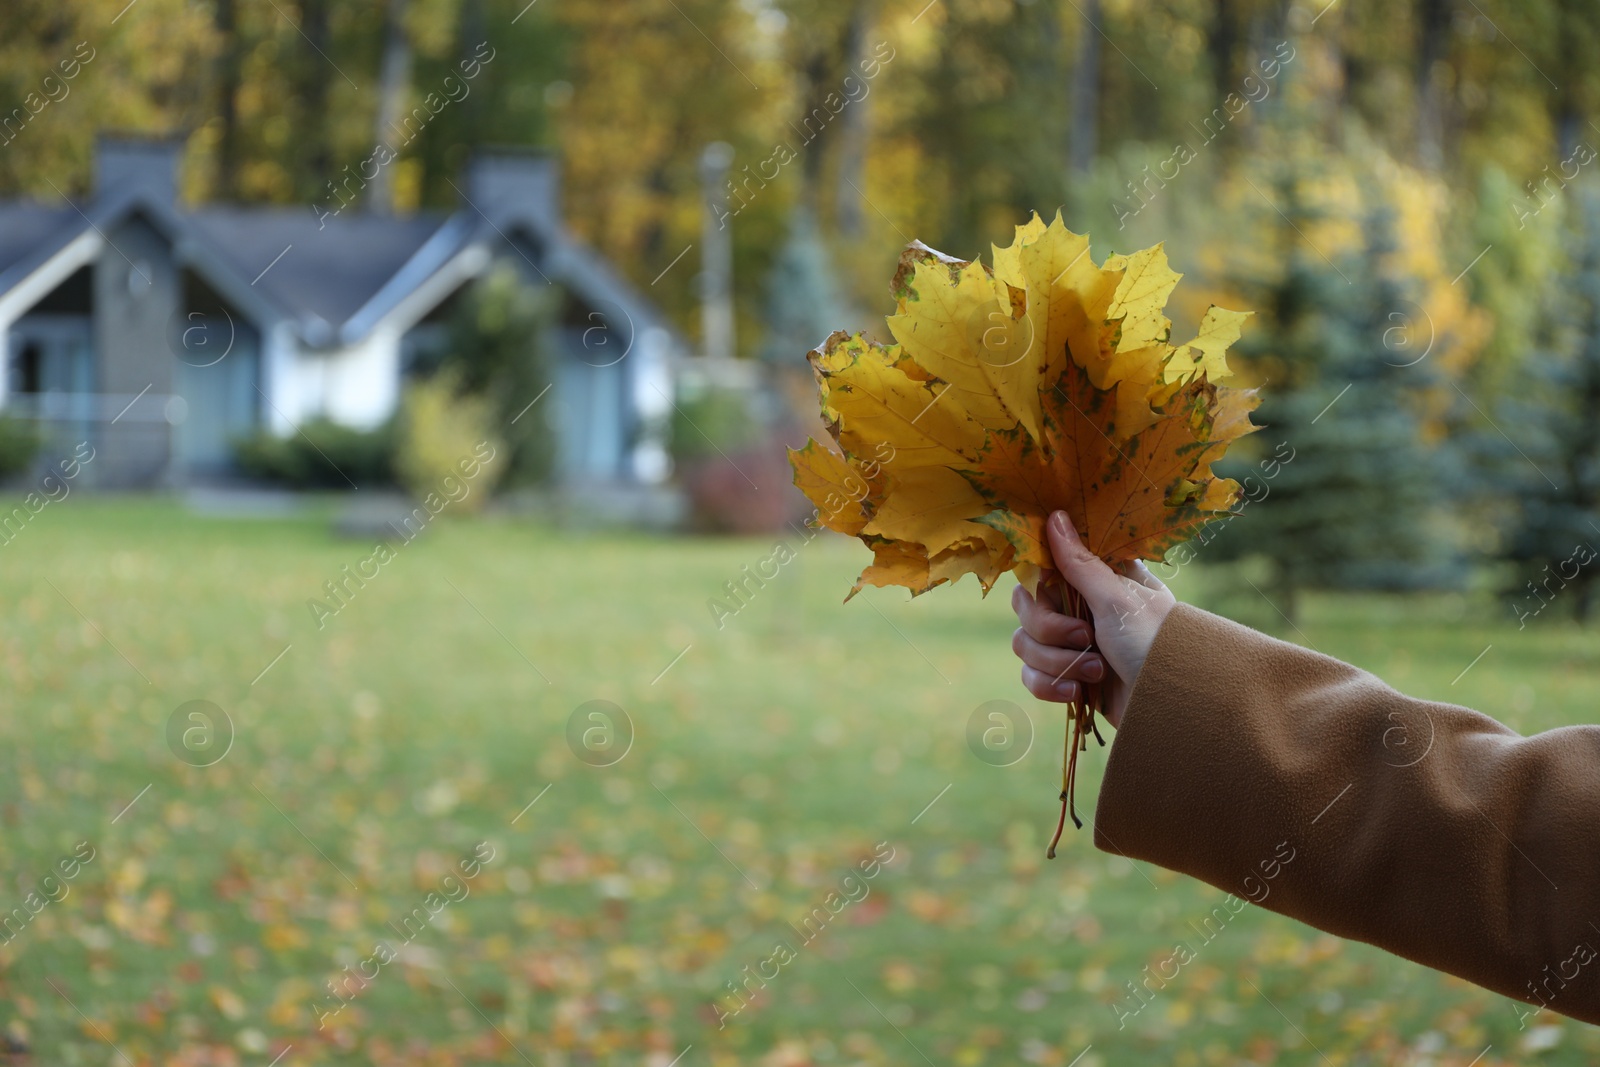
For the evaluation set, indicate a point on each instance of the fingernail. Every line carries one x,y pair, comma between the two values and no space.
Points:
1058,523
1094,670
1069,690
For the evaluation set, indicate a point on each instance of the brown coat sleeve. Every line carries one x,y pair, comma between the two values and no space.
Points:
1426,829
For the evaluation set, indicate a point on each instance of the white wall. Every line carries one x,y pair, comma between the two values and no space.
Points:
355,385
280,380
652,405
361,382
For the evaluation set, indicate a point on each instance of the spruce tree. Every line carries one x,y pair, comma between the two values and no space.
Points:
802,301
1338,342
1556,420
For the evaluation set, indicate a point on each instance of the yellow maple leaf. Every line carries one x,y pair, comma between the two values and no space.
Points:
1219,329
1047,382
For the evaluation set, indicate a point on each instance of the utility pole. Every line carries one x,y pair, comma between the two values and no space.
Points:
716,257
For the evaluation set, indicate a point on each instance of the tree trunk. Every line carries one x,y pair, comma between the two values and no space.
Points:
225,176
1433,30
394,86
473,120
474,31
1223,44
853,135
1567,111
317,74
1086,90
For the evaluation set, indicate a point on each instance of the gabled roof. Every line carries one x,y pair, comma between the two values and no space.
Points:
333,278
463,246
44,243
584,271
27,228
328,270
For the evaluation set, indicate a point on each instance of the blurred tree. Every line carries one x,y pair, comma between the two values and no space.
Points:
517,58
1505,88
1223,41
1521,246
312,77
1241,32
228,77
1352,507
1433,20
854,126
838,40
1570,33
1556,416
992,117
1084,139
287,119
394,89
134,72
802,301
1339,318
1521,258
653,82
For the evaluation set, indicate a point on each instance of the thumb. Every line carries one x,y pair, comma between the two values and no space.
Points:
1083,570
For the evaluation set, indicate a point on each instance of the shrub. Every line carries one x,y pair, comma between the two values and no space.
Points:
19,445
711,422
438,431
499,336
321,455
744,492
732,464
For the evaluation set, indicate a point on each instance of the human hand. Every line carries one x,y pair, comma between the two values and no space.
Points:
1055,648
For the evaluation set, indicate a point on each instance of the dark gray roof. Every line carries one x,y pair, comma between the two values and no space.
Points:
25,228
329,269
580,268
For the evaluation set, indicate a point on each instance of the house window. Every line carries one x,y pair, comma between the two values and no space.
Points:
28,367
50,374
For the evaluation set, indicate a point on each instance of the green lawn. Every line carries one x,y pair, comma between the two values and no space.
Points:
770,759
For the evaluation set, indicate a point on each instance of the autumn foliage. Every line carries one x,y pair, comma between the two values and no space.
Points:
1042,382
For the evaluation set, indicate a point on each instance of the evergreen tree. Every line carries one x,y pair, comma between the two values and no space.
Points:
1557,493
1357,504
802,302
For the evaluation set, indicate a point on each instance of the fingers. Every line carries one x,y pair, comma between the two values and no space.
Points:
1047,626
1045,687
1058,663
1049,591
1100,585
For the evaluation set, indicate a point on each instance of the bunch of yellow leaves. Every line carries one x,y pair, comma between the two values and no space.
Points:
1045,382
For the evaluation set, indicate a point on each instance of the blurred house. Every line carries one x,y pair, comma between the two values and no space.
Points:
161,334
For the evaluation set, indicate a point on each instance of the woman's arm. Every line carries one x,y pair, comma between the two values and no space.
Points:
1426,829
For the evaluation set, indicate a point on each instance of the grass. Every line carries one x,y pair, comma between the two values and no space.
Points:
769,757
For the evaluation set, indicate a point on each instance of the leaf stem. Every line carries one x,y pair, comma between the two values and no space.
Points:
1082,712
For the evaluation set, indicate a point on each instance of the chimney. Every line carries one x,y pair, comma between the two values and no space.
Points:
125,163
506,184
